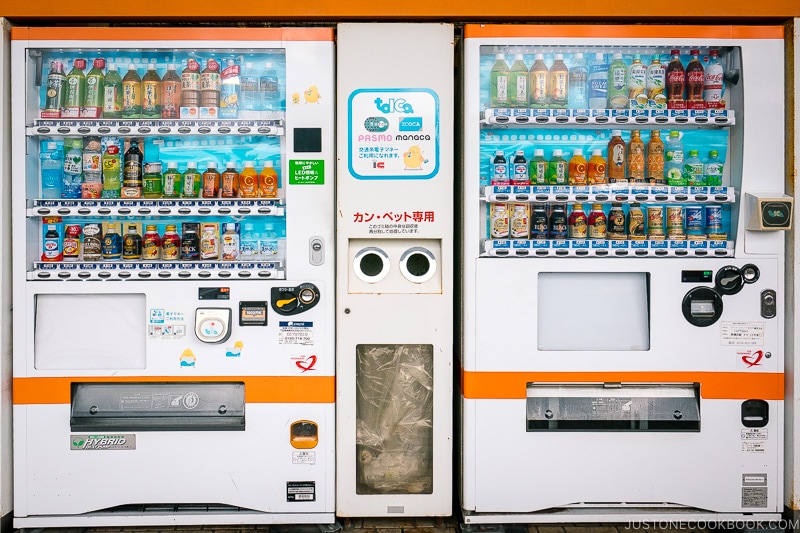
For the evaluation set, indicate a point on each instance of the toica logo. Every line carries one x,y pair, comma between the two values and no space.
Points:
399,105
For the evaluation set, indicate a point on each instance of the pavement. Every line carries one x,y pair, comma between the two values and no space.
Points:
376,525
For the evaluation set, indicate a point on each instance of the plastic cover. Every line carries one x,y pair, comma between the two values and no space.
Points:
394,419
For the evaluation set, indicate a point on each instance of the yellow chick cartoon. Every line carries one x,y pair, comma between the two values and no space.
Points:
312,95
295,98
413,159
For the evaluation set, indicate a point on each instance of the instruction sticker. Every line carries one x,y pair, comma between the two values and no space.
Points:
754,490
294,332
754,440
301,491
742,333
304,458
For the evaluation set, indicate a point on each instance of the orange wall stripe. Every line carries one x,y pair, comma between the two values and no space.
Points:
622,31
171,34
713,385
257,389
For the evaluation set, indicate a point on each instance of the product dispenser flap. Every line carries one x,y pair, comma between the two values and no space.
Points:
157,406
613,407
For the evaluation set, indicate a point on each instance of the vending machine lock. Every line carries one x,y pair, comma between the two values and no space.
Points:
729,280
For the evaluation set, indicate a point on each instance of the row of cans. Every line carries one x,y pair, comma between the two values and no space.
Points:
559,221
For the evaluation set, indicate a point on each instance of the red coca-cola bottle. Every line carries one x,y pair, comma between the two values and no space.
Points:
676,80
695,77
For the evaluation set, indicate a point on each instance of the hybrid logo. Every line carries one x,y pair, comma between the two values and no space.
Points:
103,442
398,105
752,359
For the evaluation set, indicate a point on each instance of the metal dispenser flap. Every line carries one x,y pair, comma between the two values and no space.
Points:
157,406
613,407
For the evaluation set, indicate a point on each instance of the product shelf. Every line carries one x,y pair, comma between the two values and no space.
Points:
57,127
549,117
155,270
160,207
606,248
608,193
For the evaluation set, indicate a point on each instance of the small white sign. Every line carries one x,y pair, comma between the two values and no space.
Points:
304,458
742,333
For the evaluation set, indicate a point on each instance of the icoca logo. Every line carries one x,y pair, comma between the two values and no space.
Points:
393,105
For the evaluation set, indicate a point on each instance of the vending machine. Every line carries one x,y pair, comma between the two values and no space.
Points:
394,328
623,273
173,274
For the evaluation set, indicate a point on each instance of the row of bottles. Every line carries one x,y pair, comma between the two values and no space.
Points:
653,222
213,92
653,163
97,168
602,85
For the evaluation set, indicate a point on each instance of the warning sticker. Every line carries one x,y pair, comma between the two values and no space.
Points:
754,490
755,434
301,491
742,334
293,332
304,458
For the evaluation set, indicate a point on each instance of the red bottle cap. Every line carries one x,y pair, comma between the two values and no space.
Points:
99,63
79,63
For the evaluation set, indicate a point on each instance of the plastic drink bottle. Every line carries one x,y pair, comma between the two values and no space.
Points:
248,181
499,169
52,250
56,89
676,81
596,168
151,93
93,103
712,169
230,243
656,81
191,181
268,241
248,242
598,82
229,187
558,84
248,89
695,78
92,185
637,83
654,170
131,93
518,82
170,93
577,168
520,169
617,83
578,97
152,180
112,170
190,84
268,86
537,82
617,163
636,161
557,172
132,170
75,90
498,80
211,179
673,159
693,169
229,89
73,169
537,168
210,84
172,181
112,93
51,166
713,82
268,181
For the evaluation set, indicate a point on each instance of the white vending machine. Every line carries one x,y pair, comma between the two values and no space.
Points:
173,274
623,273
394,326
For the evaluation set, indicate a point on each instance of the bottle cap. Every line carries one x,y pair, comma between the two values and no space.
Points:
674,133
713,153
112,66
616,133
617,55
637,56
191,164
231,164
598,56
212,164
538,152
559,57
539,57
714,53
597,207
557,152
577,207
519,57
519,152
695,52
577,55
150,227
151,66
693,153
131,66
577,151
230,226
100,62
51,227
498,152
675,52
499,56
268,163
597,151
249,164
171,227
171,66
172,164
